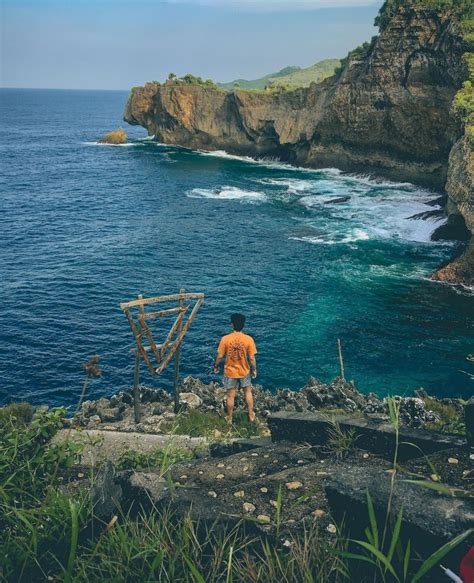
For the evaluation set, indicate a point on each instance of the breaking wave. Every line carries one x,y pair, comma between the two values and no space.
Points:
225,193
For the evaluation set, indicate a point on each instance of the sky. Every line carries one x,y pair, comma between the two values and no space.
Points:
116,44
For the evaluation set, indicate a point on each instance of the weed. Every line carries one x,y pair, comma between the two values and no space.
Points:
157,458
340,441
204,423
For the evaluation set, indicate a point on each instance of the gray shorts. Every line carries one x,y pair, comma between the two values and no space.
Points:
236,383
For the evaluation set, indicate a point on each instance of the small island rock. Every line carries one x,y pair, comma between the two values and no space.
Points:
118,136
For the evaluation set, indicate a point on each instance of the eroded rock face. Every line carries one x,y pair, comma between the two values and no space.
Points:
460,189
387,112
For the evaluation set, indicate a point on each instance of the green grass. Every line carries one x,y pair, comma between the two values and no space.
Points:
289,77
160,458
16,413
204,424
340,442
449,419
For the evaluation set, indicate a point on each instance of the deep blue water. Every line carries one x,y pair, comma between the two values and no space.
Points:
85,227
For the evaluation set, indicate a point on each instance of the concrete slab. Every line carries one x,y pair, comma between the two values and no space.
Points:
100,445
374,436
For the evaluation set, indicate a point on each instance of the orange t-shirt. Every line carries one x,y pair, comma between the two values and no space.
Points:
237,347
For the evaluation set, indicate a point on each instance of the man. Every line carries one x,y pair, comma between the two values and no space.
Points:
239,349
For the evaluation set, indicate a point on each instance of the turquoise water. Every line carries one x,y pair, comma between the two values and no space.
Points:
85,227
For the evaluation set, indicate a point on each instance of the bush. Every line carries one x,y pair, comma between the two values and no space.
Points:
449,419
16,413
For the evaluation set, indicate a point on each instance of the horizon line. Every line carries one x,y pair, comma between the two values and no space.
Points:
63,88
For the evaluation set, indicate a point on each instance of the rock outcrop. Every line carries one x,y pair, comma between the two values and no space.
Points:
338,396
115,137
460,189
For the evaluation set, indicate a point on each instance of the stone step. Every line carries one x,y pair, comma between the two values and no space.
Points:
374,436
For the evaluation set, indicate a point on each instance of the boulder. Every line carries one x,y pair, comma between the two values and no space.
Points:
105,492
191,400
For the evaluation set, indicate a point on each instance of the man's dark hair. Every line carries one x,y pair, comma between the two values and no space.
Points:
238,321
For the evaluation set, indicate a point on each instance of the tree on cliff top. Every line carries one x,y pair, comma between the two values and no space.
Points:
464,8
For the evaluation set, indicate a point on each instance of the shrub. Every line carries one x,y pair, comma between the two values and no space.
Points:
449,418
16,413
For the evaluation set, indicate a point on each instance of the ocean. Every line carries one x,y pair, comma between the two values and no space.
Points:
85,227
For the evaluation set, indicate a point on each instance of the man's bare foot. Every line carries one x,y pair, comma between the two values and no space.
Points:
251,417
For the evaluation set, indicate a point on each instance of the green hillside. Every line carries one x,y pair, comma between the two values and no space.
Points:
295,76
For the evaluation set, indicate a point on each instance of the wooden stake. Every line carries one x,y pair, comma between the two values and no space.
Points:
136,392
176,359
341,362
179,338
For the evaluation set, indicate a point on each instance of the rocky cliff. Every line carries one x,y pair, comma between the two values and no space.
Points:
460,190
387,112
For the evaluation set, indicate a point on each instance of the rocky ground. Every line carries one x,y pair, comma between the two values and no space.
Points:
339,396
281,485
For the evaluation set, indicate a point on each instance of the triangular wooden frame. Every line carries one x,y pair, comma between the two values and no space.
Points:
141,330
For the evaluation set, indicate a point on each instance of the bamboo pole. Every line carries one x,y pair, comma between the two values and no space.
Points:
180,336
177,324
136,392
137,335
171,298
341,362
176,358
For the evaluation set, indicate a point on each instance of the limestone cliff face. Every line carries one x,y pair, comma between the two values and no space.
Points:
460,190
388,111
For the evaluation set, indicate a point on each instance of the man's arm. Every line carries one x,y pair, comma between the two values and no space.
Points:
220,355
253,364
217,363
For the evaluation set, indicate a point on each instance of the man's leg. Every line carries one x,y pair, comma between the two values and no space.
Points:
230,403
249,400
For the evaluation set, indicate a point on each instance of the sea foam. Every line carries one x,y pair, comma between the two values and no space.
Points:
225,193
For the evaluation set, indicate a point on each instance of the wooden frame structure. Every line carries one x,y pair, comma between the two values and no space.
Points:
147,348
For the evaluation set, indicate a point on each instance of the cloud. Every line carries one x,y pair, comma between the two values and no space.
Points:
276,5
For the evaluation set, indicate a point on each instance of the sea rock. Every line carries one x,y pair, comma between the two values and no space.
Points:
339,396
115,137
337,200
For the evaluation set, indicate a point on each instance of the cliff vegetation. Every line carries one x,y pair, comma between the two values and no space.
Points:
289,77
